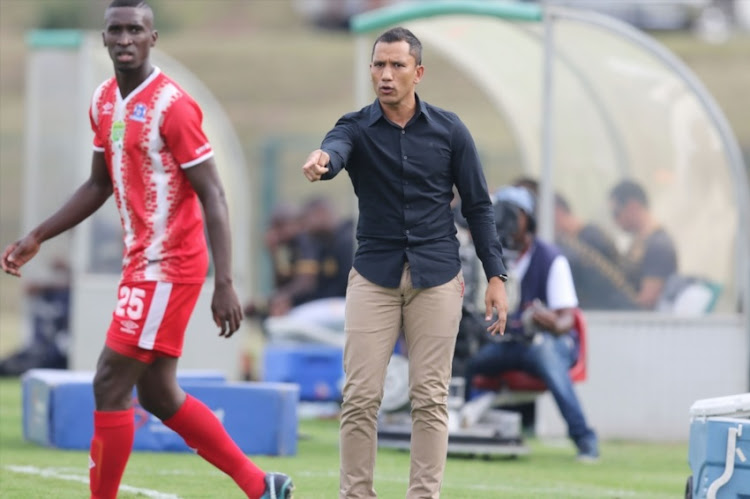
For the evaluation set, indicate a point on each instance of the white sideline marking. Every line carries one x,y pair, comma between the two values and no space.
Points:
553,490
56,473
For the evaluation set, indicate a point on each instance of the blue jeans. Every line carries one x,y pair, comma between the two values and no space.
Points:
549,358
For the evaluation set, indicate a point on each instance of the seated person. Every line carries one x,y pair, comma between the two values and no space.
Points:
281,239
594,261
326,252
539,338
651,258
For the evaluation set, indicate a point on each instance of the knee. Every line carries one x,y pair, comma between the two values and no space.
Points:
431,410
111,393
361,401
162,402
428,394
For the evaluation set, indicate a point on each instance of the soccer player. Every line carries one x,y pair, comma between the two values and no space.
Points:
150,152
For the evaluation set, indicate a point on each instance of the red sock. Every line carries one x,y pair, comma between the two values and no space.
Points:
203,432
110,449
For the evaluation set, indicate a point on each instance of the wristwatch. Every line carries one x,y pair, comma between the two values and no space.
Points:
503,277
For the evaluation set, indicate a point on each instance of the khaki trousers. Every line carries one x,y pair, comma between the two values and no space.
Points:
375,317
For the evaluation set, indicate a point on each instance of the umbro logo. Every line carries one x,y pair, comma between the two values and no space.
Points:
107,108
128,327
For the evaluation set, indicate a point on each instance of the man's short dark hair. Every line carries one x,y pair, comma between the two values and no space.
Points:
128,3
400,34
628,190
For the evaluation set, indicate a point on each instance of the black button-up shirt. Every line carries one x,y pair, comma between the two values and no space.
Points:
404,178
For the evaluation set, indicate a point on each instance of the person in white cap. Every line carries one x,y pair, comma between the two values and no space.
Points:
540,338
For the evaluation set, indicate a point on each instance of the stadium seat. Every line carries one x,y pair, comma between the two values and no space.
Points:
522,383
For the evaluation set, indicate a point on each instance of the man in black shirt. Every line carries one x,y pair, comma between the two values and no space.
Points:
403,157
651,257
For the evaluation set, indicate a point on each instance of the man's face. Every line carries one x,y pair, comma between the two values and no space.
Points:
623,214
394,72
129,35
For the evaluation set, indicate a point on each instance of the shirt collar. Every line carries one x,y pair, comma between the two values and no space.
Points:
376,112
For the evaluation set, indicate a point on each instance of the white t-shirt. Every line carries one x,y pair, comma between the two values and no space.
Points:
561,292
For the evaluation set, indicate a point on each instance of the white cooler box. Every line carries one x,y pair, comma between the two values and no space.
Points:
719,452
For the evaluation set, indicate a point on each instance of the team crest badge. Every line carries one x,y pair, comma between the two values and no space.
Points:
139,113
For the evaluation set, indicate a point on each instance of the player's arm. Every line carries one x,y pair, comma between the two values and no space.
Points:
225,305
476,207
333,155
85,201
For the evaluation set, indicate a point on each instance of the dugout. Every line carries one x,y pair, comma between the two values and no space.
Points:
589,100
63,70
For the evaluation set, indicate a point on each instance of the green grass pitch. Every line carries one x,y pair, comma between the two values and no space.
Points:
626,470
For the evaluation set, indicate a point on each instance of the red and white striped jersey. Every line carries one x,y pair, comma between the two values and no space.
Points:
148,139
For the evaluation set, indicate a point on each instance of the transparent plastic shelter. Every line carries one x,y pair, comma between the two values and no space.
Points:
590,101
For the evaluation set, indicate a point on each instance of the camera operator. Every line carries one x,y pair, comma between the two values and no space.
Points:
539,338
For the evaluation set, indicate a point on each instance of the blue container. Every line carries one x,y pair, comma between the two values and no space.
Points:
719,454
317,369
58,410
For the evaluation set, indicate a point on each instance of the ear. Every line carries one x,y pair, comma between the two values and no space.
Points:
154,37
420,73
103,41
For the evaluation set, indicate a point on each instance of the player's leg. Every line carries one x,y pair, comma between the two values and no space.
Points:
129,350
431,318
160,394
373,321
116,374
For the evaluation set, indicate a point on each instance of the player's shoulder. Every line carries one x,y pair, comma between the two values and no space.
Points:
166,81
104,88
177,94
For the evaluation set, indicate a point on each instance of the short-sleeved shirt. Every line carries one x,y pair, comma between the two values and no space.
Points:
654,256
148,138
403,178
